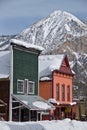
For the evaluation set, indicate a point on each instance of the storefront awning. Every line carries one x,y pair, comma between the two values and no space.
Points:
55,102
33,102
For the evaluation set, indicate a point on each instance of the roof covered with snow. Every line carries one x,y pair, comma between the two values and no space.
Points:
49,63
25,44
54,101
34,102
4,64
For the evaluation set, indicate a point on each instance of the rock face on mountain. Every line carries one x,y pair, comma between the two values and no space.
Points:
60,32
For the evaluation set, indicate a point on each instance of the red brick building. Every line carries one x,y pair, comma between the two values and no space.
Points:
55,84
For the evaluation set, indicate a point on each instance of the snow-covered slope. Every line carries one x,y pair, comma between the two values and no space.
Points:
54,30
4,41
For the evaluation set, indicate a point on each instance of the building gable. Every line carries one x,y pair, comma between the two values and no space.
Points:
65,67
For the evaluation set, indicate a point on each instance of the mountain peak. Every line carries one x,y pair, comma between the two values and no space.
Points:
54,30
67,15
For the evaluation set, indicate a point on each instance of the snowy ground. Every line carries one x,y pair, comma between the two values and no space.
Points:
65,124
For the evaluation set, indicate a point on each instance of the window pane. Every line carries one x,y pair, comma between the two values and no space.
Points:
68,93
63,92
20,86
30,87
57,92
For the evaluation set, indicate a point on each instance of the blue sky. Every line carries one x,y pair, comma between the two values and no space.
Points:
16,15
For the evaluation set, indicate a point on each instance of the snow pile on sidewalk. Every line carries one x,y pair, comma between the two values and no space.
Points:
65,124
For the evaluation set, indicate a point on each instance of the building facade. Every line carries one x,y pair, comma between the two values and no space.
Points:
19,83
55,85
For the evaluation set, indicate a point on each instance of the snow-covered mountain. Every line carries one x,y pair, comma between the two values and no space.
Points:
53,31
60,32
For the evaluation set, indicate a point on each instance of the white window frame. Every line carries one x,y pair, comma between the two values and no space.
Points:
23,86
26,92
32,86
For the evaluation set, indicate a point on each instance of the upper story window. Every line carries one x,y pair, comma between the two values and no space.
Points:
68,93
63,92
57,92
20,86
31,87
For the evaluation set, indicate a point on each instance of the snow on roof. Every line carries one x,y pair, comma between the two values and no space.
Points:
72,103
45,78
41,105
25,44
52,100
49,63
34,102
25,102
4,64
65,124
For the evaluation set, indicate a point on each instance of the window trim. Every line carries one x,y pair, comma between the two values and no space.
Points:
23,86
32,86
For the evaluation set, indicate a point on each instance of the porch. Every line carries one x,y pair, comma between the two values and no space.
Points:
30,108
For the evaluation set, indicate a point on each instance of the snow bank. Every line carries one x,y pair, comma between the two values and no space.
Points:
20,126
65,124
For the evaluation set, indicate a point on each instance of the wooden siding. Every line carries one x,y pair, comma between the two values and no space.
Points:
25,66
4,96
45,89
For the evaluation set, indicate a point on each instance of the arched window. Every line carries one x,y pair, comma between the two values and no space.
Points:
63,92
57,91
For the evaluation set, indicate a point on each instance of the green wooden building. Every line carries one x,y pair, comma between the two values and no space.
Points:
21,80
